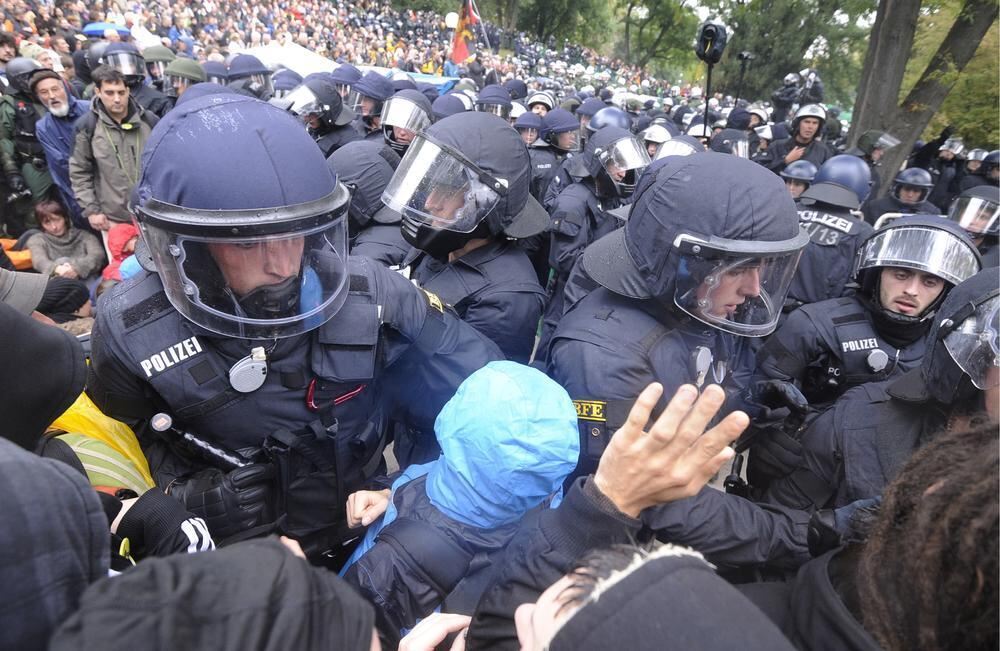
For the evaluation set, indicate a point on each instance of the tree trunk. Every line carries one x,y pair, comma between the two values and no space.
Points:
913,115
888,48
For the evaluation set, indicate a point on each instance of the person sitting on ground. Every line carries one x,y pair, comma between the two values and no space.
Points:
122,239
508,439
61,249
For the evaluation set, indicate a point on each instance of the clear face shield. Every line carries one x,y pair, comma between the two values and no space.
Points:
174,85
402,120
736,286
129,64
886,142
500,110
528,134
930,250
156,69
253,274
304,103
262,83
624,162
569,141
437,187
974,344
675,148
976,216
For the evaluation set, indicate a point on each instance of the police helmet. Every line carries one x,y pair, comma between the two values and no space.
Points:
682,145
913,177
800,170
285,81
977,154
615,160
843,180
19,71
964,343
179,75
990,163
977,210
516,110
561,129
494,99
874,139
402,81
731,141
590,107
248,75
957,147
450,104
517,88
921,243
761,114
126,59
809,111
215,72
655,133
609,116
157,57
365,168
404,115
792,78
344,77
317,97
530,125
373,90
462,178
730,267
95,53
243,250
542,97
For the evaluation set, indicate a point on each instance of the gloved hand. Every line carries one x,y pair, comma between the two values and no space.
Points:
831,528
228,502
947,132
16,182
775,452
778,394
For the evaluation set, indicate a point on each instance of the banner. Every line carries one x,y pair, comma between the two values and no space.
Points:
464,38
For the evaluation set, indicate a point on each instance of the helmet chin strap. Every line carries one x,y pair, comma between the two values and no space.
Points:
275,301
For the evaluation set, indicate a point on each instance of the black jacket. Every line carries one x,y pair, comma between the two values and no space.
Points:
816,153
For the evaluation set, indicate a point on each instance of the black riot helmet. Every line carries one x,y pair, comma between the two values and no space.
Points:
365,168
463,178
404,115
126,59
615,160
977,211
317,97
913,177
19,71
915,243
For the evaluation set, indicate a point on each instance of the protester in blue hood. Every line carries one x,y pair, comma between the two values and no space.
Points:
508,441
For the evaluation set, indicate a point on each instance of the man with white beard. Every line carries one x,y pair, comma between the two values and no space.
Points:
55,133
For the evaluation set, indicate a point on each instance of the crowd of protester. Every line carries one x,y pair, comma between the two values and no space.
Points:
658,369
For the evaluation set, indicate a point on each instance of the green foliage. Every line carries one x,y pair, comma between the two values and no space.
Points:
657,35
789,35
580,21
972,105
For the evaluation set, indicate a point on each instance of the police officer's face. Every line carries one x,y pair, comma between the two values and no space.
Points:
972,166
537,623
795,188
403,135
909,292
567,140
443,202
728,288
584,121
908,194
808,127
616,173
180,85
754,120
651,148
368,106
528,136
247,266
539,109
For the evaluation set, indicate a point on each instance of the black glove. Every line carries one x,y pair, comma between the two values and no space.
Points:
777,394
829,528
229,503
775,449
16,182
946,132
158,525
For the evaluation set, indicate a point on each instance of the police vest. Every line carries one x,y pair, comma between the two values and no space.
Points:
856,353
26,118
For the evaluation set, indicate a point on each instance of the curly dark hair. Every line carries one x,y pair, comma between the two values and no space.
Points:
928,576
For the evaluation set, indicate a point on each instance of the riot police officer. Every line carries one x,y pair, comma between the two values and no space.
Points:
462,190
871,146
613,159
258,333
987,174
404,115
373,90
318,104
247,75
829,212
904,271
365,168
798,177
908,195
126,59
560,139
803,144
494,99
784,97
679,294
977,210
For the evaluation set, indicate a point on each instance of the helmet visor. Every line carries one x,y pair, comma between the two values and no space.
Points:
571,140
303,102
402,113
954,145
929,250
675,148
156,69
886,141
624,161
975,343
976,215
175,85
127,63
500,110
732,287
437,187
252,285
